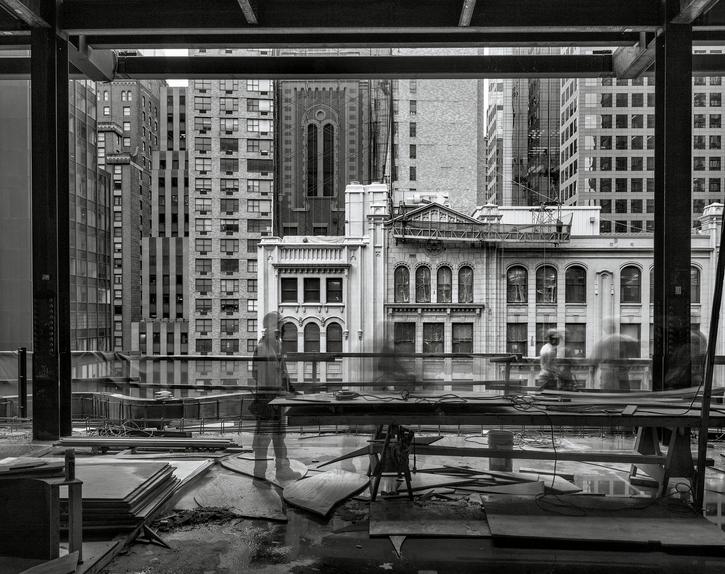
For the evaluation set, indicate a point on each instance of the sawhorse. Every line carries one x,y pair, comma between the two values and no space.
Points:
393,456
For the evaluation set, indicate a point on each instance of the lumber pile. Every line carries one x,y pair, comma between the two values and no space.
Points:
120,496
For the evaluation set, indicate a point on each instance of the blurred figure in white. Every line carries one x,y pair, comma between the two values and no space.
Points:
548,377
609,356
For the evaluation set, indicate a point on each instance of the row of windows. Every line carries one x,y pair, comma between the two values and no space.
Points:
229,226
204,306
575,285
231,164
444,284
231,145
404,338
203,185
311,338
620,205
621,185
203,285
289,287
251,85
203,246
227,326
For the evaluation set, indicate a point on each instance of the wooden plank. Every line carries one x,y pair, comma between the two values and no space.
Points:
564,475
64,565
430,519
156,442
424,481
397,542
221,488
320,493
246,467
577,518
376,446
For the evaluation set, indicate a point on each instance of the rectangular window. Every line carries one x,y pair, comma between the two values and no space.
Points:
334,290
413,130
251,305
228,145
251,325
433,341
576,340
203,325
202,245
202,103
288,289
260,165
226,124
229,265
228,104
229,306
413,107
251,265
228,205
404,338
412,151
312,290
252,245
203,305
462,338
631,331
202,163
516,338
202,266
229,326
698,121
229,245
203,346
413,173
228,164
203,285
229,346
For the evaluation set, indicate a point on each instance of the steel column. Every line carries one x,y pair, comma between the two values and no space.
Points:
673,207
51,268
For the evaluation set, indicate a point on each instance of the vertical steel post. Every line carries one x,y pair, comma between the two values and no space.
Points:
50,198
23,381
673,204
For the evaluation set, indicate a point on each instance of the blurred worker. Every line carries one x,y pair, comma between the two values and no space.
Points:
687,365
390,372
548,377
271,380
608,357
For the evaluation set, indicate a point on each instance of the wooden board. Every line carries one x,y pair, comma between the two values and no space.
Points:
424,481
221,488
565,475
64,565
246,467
321,492
577,518
430,519
520,488
104,480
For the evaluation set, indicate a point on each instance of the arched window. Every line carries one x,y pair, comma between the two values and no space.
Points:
422,284
517,285
328,160
334,338
445,285
289,338
312,338
576,285
311,160
402,284
465,284
694,285
631,285
546,284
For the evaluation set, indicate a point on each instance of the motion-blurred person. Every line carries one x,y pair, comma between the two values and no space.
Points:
271,380
608,355
548,377
389,370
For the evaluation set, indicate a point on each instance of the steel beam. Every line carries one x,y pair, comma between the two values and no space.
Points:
364,67
673,207
32,13
632,61
459,38
97,65
50,212
691,10
21,69
192,16
248,11
467,12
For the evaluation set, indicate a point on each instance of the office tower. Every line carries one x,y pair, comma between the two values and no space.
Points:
128,129
164,325
231,168
523,145
608,148
89,221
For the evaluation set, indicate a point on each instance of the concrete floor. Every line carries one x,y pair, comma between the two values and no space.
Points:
340,543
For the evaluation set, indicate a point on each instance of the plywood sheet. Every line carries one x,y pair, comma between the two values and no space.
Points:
109,481
575,518
246,467
424,481
431,519
221,488
321,492
64,565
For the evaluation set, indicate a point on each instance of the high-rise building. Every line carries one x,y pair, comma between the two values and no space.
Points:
523,146
128,129
90,277
164,325
439,139
607,148
231,170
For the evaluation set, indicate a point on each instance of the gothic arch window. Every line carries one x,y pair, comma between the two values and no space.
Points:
517,285
401,279
289,338
444,286
465,284
694,285
320,160
312,166
546,284
422,284
334,338
328,160
312,338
